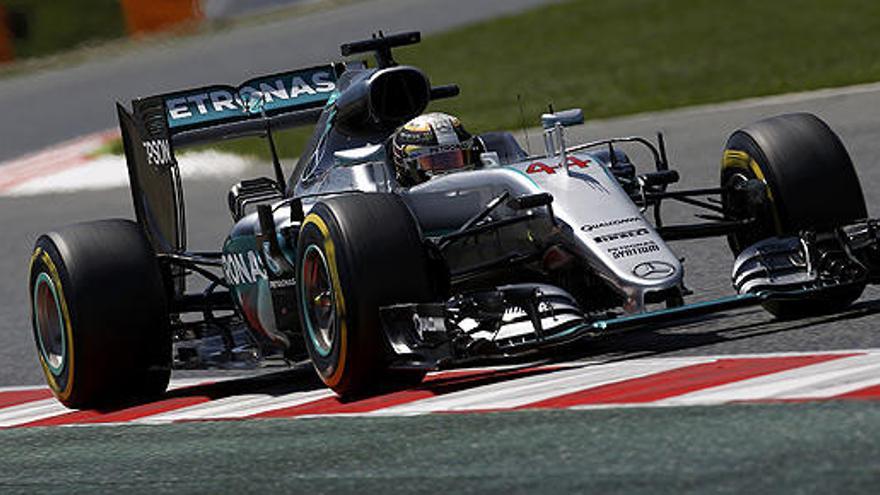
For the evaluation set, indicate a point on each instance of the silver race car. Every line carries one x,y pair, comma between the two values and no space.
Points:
376,280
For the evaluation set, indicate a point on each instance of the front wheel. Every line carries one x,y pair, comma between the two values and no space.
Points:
357,253
811,183
99,314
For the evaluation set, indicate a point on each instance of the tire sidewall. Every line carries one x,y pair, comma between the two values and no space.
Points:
46,261
316,233
743,157
374,248
113,301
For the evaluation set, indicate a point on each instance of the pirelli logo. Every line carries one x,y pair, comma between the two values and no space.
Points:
626,234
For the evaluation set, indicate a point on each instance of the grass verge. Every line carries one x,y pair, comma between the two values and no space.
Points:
630,56
50,27
52,47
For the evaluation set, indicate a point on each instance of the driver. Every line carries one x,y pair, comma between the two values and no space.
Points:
432,144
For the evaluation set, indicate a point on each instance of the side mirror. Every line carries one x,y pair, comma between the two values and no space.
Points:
356,156
565,118
490,159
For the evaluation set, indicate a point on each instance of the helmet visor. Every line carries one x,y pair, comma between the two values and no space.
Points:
444,161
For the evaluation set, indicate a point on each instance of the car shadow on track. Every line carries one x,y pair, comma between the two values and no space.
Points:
701,332
303,380
299,391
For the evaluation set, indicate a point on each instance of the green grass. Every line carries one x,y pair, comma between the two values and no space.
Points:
101,34
630,56
57,25
289,142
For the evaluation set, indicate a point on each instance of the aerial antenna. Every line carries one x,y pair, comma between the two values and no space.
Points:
661,143
522,119
276,162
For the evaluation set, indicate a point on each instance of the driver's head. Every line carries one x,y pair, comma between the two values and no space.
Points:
431,144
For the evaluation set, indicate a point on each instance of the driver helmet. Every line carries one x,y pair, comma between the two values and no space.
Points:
432,144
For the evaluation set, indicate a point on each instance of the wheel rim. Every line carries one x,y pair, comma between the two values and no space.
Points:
318,301
49,324
766,225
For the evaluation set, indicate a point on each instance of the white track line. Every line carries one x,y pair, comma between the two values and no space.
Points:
819,380
22,388
518,392
236,407
862,378
816,381
59,153
110,171
31,411
52,160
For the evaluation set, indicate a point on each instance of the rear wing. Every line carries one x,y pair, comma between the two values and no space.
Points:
157,124
217,112
210,113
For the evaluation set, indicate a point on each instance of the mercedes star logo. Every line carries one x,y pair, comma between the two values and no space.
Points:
653,270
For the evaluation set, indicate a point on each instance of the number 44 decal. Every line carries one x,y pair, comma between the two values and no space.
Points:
543,168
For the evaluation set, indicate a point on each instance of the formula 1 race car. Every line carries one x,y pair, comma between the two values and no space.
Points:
376,282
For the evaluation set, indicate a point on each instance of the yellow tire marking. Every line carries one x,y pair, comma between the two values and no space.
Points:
330,251
62,302
742,160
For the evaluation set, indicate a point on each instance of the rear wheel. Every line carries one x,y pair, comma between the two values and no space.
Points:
810,184
357,253
99,314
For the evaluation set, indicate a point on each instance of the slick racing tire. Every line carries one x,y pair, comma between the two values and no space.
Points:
357,253
100,315
810,184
